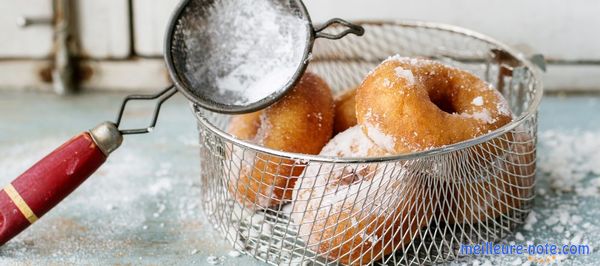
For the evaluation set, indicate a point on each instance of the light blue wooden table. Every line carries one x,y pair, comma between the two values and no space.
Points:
143,206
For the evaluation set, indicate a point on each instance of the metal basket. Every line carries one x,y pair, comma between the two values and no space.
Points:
470,192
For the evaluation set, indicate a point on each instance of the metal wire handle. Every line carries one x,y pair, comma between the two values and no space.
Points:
162,96
351,28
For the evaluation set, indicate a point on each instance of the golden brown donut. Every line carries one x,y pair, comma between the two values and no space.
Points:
345,112
301,122
244,126
353,213
407,105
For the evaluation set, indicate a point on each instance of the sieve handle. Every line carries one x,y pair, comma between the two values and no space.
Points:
50,180
350,28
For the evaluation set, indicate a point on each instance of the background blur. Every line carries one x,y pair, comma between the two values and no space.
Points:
117,44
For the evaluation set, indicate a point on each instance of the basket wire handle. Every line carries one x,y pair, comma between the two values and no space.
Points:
351,28
162,96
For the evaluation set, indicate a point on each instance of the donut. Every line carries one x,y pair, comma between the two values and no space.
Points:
301,122
245,126
498,189
407,105
345,112
351,143
410,105
353,213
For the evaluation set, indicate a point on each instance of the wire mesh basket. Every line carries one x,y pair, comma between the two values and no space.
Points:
407,209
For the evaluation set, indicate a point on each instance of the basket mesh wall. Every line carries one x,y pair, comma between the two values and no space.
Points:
412,211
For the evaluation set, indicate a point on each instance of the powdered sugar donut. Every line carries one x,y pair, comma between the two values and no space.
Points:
350,143
301,122
358,213
408,105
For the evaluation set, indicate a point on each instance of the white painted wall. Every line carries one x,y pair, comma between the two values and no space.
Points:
150,19
104,30
559,29
556,28
568,30
34,41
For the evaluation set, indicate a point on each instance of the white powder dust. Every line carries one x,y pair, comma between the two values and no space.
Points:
405,74
381,139
477,101
350,143
483,115
213,260
572,163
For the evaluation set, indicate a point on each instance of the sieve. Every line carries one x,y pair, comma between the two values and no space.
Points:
229,56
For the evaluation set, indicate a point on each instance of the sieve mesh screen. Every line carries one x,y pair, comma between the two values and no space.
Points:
238,52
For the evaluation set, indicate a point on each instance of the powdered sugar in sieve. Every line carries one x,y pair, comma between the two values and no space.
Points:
242,51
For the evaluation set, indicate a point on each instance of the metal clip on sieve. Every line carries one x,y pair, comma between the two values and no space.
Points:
191,58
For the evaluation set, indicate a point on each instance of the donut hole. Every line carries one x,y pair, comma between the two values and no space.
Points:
443,103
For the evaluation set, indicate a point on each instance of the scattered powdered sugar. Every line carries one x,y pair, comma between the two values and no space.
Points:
257,233
240,52
161,186
214,260
530,221
519,236
572,163
234,253
569,164
517,261
405,74
370,238
113,210
477,101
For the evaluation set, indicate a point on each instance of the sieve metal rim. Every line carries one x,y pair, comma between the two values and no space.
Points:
215,107
530,111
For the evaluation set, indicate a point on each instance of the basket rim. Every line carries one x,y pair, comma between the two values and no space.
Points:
525,115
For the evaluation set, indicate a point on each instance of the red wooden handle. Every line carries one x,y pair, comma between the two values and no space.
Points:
46,183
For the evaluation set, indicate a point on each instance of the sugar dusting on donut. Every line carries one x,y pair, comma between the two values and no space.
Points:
350,143
357,197
483,115
433,105
385,141
502,105
397,57
373,132
405,74
477,101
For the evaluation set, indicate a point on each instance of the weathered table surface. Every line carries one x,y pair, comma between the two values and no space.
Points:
142,206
